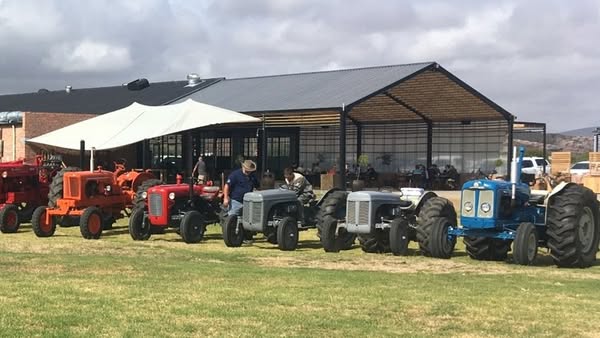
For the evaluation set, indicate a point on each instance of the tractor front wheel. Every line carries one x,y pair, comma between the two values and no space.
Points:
378,242
399,237
329,239
9,219
41,228
233,235
287,234
91,223
139,228
525,244
192,227
487,249
441,244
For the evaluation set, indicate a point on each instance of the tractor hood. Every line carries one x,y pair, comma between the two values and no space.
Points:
274,195
180,190
495,185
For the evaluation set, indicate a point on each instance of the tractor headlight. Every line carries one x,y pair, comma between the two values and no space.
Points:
144,195
4,174
108,188
486,207
468,206
171,195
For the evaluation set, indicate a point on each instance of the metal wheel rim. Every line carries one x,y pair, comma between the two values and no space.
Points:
11,220
586,229
94,223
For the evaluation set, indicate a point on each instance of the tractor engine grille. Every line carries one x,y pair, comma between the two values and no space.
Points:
155,205
351,213
246,212
74,187
252,212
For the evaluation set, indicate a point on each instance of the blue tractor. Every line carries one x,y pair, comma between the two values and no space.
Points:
495,214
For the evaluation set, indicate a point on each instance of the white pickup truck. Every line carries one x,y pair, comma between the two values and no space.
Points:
534,165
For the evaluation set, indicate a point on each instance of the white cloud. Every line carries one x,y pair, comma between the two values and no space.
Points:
88,56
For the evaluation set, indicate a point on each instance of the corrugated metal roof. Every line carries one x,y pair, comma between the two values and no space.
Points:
325,89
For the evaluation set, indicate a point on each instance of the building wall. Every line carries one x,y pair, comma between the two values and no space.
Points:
36,124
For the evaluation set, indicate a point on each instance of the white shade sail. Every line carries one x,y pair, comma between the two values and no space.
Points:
138,122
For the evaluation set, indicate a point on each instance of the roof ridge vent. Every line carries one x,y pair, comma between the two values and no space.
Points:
138,84
193,79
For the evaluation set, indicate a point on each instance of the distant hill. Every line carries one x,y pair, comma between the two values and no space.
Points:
557,142
579,132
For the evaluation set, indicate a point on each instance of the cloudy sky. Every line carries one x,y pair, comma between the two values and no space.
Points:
540,60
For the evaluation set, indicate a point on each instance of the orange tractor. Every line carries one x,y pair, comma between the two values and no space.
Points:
23,187
95,198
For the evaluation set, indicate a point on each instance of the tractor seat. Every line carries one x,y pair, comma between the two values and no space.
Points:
210,190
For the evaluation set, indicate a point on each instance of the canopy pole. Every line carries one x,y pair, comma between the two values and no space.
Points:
342,159
82,154
263,146
144,154
92,159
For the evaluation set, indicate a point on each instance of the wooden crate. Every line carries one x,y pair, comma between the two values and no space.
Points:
592,182
326,181
561,162
594,164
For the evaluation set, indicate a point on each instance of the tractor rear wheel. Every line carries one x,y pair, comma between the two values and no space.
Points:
138,200
90,223
233,235
329,239
378,242
526,244
41,228
487,249
399,237
441,244
334,206
56,186
287,234
139,229
573,227
192,227
9,219
433,209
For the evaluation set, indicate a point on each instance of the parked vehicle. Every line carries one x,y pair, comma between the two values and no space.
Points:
580,168
95,199
276,214
383,221
534,165
24,187
495,214
187,207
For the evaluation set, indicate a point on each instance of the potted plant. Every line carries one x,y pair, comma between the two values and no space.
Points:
362,162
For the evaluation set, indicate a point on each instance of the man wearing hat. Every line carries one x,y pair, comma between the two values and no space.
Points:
238,183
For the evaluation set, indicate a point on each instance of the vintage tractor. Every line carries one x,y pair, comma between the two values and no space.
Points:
95,199
23,187
496,213
276,214
187,207
383,221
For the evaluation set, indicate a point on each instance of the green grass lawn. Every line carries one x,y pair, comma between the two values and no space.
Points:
68,286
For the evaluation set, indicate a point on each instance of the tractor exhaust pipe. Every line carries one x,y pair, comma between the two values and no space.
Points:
515,169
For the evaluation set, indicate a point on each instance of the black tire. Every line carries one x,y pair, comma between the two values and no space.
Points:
378,242
287,234
39,225
192,227
91,223
139,229
138,200
440,243
487,249
271,235
399,237
433,209
329,240
232,235
573,227
525,244
9,219
56,186
333,206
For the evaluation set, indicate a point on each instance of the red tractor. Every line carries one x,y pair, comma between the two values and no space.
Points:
23,187
187,207
95,198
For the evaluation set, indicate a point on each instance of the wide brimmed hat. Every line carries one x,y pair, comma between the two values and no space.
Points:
249,165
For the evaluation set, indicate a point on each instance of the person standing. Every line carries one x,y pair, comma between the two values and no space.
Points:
238,183
200,170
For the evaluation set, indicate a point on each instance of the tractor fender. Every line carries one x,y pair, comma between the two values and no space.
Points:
426,196
556,190
329,192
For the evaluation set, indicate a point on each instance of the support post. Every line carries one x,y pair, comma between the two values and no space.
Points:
144,154
509,151
359,129
263,146
429,144
342,160
82,155
188,151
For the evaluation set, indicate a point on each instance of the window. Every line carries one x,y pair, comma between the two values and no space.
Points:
527,164
540,162
581,166
250,147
